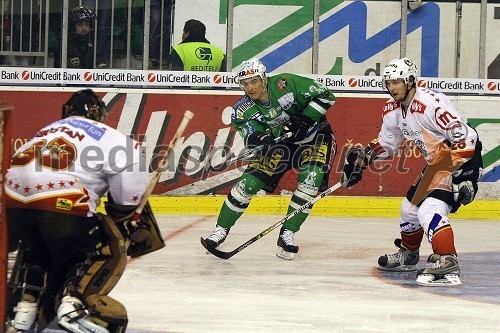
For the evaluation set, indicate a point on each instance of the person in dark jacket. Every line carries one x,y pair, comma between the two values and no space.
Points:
80,50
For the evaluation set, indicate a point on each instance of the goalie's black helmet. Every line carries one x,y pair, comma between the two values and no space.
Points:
87,104
80,14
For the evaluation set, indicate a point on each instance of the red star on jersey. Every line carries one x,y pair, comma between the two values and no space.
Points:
71,183
62,184
27,189
50,185
39,187
17,186
135,198
472,141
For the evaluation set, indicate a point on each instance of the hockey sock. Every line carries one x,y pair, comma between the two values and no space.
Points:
412,240
443,241
238,199
310,178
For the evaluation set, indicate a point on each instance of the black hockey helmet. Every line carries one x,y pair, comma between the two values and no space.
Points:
85,103
81,14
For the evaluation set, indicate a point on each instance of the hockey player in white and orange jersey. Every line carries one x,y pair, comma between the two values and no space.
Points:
73,256
452,151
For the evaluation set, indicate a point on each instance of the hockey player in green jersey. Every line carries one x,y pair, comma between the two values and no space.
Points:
291,108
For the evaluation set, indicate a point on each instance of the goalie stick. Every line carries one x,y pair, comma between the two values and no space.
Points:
162,165
227,255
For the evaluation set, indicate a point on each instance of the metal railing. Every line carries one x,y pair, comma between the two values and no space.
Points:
31,32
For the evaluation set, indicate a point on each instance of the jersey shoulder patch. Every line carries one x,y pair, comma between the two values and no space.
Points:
244,104
389,106
417,106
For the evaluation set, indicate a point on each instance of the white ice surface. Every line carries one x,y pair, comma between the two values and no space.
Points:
332,285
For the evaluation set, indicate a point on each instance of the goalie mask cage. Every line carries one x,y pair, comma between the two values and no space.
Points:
5,153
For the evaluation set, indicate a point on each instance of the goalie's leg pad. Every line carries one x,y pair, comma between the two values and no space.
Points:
108,312
104,271
94,279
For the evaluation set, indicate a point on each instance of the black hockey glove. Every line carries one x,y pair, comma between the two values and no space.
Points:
297,128
352,171
260,139
465,178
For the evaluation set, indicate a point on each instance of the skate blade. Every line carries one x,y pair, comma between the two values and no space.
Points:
429,280
404,268
284,254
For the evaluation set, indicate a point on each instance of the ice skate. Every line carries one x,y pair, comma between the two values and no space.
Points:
217,237
402,261
26,312
73,316
286,245
442,271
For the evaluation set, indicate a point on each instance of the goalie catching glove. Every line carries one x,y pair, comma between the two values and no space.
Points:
465,178
297,128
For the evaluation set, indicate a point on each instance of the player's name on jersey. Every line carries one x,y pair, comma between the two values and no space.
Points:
173,79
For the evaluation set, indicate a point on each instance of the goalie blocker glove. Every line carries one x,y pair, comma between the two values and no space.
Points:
298,128
465,178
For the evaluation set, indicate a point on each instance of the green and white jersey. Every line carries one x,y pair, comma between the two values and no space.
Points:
289,94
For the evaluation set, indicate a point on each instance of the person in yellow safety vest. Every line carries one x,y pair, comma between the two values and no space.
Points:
195,53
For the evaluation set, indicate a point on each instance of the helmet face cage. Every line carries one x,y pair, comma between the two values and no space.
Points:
85,103
81,14
251,68
400,69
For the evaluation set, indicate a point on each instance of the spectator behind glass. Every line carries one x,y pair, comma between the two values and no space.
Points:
195,53
159,42
80,50
103,38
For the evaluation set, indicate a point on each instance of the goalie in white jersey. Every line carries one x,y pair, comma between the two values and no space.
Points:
73,256
452,151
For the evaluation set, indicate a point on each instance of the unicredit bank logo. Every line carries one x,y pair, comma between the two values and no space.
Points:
87,76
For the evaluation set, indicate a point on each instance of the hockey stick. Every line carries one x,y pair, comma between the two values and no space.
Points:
162,165
227,255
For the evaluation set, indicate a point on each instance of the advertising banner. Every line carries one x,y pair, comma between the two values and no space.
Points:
220,80
196,165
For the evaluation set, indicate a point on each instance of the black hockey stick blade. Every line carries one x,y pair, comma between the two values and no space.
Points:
215,252
227,255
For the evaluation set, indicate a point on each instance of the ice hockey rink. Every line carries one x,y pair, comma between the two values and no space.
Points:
332,285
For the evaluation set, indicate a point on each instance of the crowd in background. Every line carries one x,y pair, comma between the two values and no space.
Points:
113,38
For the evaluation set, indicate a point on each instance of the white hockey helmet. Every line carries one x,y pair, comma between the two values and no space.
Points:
401,69
250,68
